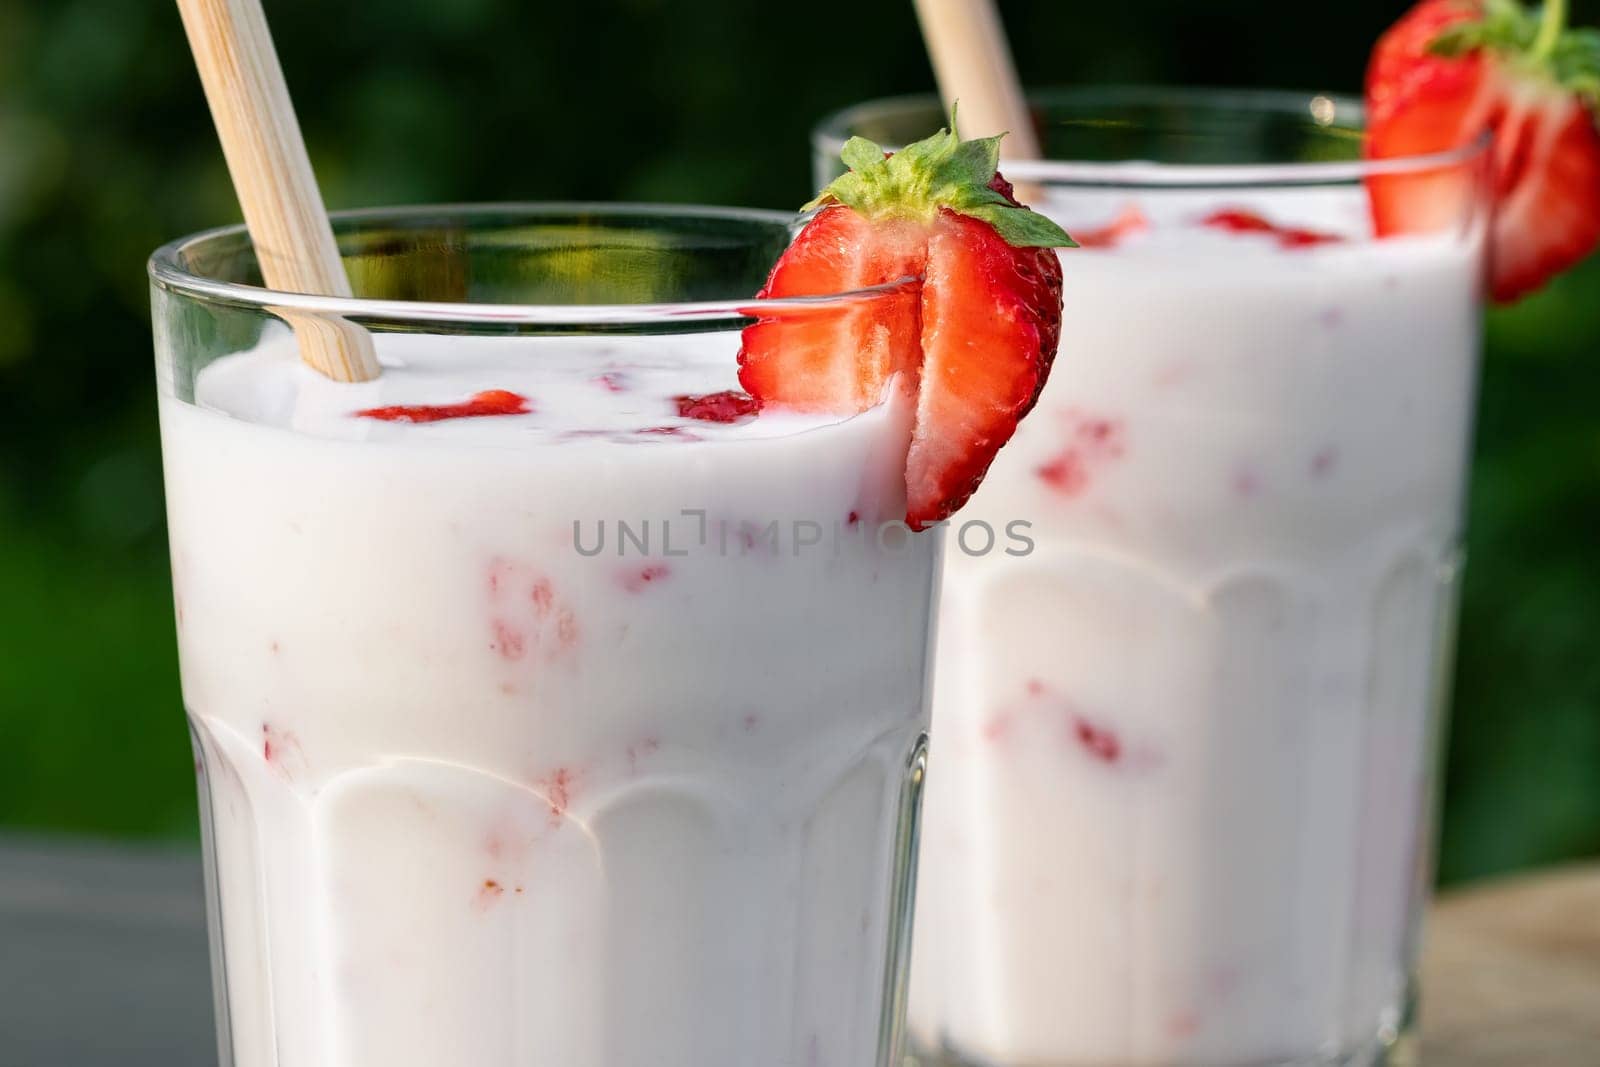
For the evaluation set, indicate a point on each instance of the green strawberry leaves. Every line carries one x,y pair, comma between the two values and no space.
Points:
1575,63
1538,42
861,154
1506,26
1020,227
941,171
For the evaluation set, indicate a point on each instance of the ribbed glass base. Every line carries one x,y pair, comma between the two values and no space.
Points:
1396,1046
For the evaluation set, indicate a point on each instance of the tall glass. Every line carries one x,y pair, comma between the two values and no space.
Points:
549,705
1183,752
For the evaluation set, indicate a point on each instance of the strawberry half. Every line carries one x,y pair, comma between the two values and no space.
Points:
1451,70
973,336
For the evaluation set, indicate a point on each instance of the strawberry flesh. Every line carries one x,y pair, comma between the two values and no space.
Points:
480,405
1547,209
727,406
991,321
1235,220
841,355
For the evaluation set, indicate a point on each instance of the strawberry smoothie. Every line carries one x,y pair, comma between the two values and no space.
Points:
1182,751
551,705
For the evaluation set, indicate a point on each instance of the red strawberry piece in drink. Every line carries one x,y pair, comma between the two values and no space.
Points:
282,752
480,405
971,331
637,579
1129,221
1453,71
1097,740
1090,441
727,406
1238,220
509,641
527,616
558,788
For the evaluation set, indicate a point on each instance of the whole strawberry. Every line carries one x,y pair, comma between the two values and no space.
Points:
1451,71
974,340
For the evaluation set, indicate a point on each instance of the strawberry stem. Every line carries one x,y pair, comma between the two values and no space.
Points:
1552,20
938,173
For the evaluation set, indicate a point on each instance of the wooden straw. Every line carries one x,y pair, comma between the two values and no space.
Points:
967,44
272,176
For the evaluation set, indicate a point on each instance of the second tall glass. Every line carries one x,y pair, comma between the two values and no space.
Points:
1179,810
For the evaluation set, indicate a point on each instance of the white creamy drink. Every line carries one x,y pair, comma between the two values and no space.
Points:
479,794
1181,752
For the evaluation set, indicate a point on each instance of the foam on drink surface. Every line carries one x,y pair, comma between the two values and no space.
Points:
623,389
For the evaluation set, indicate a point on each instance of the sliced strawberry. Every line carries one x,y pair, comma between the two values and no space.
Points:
1547,219
1452,70
991,321
836,356
973,334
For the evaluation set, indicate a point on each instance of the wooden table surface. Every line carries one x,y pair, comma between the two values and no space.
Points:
103,964
1511,973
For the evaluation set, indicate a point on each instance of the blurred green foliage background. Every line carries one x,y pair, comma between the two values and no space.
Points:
106,150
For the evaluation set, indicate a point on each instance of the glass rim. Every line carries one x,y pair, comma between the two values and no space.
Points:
829,134
166,271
